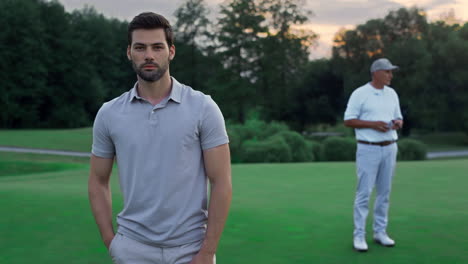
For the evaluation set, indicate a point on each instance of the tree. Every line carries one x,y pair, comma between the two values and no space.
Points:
94,68
22,68
192,28
319,97
448,79
284,56
239,30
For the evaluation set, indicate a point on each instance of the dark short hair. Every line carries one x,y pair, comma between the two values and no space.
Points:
150,20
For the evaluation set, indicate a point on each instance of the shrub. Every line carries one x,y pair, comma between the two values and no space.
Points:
298,146
235,144
256,129
273,149
339,149
252,129
411,149
272,128
315,148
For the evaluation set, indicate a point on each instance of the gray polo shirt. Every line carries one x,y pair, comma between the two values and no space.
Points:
159,155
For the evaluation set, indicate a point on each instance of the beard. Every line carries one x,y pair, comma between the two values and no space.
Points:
153,75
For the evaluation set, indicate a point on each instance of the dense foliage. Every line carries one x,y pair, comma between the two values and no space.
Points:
57,68
258,141
410,149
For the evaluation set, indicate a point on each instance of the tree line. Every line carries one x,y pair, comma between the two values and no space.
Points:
57,68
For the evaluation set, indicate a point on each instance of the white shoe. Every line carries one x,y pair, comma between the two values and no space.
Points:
360,244
383,239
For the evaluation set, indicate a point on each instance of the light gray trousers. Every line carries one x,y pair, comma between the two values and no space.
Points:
125,250
375,166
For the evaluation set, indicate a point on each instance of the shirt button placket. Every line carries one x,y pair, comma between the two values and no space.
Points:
153,117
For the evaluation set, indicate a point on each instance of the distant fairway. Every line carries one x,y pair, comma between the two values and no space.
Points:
285,213
79,139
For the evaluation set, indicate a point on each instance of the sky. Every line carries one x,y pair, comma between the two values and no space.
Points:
328,15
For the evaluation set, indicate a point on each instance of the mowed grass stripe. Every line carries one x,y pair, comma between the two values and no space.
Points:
281,213
79,139
9,168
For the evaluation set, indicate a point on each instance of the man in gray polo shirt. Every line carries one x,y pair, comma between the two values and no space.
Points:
167,139
374,111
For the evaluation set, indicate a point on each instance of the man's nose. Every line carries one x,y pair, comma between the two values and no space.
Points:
149,55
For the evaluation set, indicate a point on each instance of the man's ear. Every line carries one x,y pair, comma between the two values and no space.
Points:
128,53
172,52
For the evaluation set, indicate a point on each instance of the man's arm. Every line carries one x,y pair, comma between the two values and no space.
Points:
357,123
218,169
100,196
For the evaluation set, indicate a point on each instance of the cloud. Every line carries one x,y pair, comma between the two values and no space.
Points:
126,10
329,15
341,12
426,4
460,8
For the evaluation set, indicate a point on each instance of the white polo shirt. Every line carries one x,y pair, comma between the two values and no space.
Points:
371,104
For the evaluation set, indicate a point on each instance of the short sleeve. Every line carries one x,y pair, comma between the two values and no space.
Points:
102,143
212,127
353,109
397,114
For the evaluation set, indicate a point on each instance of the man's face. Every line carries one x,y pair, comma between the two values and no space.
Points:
150,53
383,77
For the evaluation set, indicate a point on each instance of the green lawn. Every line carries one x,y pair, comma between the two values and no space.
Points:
79,139
288,214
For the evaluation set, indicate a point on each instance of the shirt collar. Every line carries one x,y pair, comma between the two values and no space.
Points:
176,92
134,93
377,91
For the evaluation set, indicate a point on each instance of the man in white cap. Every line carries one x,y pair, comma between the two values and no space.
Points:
374,112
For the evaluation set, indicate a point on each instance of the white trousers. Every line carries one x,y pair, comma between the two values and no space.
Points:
375,166
125,250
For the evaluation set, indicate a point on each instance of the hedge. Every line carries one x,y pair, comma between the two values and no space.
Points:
274,149
298,145
339,149
411,149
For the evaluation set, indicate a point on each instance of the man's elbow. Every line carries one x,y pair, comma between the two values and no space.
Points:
93,185
97,183
227,191
348,123
223,184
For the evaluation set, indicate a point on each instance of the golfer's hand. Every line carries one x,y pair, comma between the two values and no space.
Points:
397,124
203,258
107,241
381,126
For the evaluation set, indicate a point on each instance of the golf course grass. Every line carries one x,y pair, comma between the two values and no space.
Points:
79,139
280,213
